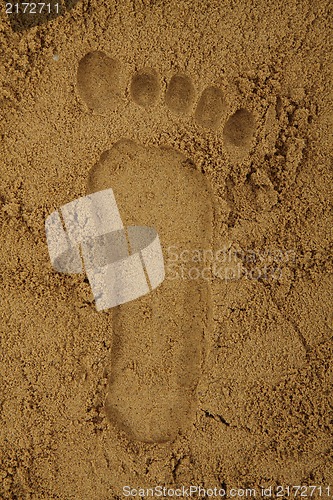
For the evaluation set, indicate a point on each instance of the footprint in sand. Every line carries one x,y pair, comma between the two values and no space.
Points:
158,340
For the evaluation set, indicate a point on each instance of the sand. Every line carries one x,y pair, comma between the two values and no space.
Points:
212,123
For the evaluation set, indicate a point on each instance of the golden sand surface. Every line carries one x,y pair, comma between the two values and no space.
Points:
212,122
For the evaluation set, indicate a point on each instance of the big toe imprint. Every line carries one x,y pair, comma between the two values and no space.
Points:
98,80
157,344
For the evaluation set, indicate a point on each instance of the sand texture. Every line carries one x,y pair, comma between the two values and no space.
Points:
212,123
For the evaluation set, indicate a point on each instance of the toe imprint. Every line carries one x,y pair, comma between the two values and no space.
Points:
145,88
98,81
211,108
238,130
180,94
